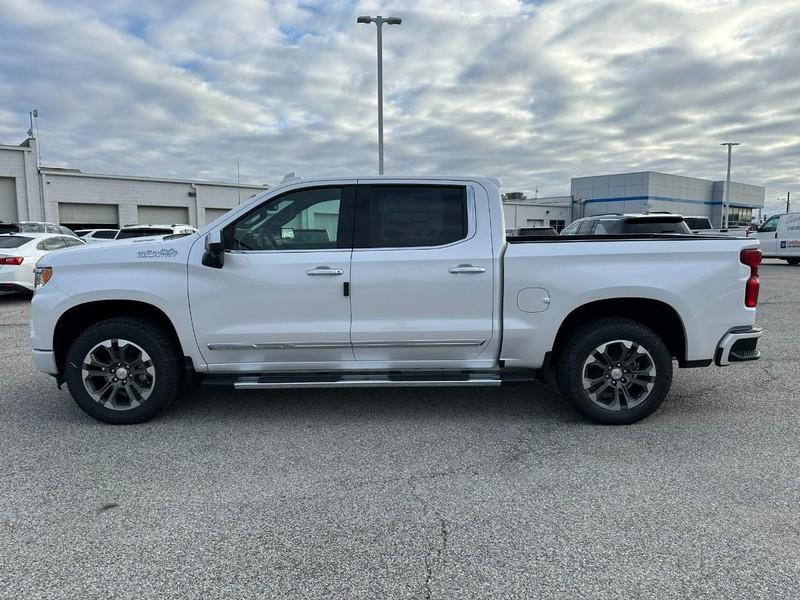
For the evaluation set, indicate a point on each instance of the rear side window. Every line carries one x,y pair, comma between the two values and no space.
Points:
105,235
53,243
13,241
608,227
697,223
408,216
585,228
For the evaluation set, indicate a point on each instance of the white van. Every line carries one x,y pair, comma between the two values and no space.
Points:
780,237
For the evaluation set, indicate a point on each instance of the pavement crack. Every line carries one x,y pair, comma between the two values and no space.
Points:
434,560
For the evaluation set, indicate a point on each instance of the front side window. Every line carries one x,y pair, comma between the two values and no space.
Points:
586,227
771,224
405,216
571,229
309,219
72,241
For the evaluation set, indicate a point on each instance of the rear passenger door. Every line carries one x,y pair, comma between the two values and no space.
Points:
422,274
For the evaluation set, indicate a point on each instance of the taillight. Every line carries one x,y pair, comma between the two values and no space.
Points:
752,258
11,260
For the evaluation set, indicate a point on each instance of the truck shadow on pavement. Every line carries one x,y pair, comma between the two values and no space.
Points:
536,401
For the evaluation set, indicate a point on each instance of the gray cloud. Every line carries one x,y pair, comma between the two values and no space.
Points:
533,92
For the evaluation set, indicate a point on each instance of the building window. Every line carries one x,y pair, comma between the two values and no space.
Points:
739,216
557,224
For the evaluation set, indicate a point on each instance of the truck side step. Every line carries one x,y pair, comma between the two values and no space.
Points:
288,380
364,380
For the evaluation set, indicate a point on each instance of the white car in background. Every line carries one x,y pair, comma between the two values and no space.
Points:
94,236
19,253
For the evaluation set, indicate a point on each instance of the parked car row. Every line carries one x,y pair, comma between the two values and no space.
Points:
19,253
24,243
93,236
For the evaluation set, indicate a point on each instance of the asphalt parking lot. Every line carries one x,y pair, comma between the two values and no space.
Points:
408,493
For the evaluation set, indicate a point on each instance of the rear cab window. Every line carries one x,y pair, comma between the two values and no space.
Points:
410,216
13,241
648,225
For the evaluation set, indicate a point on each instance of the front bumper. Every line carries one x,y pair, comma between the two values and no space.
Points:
738,345
45,361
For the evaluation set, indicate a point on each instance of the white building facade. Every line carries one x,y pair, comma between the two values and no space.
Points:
85,200
519,211
649,191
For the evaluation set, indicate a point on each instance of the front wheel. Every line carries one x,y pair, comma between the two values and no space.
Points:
123,370
615,371
793,261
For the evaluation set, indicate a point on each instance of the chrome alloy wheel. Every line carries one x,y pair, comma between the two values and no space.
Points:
618,375
118,374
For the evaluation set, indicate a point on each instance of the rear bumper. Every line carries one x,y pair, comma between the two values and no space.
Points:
739,345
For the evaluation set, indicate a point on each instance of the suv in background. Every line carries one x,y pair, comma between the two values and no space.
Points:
136,231
94,236
620,224
35,227
529,231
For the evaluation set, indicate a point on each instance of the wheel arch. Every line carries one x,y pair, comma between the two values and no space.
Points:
659,316
79,317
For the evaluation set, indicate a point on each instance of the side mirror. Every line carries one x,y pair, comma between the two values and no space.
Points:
214,256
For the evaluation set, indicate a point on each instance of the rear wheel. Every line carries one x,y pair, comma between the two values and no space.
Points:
793,261
123,370
615,371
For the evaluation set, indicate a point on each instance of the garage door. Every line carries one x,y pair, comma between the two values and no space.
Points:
8,199
163,215
100,214
215,213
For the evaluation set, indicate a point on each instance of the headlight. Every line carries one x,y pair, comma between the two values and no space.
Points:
41,275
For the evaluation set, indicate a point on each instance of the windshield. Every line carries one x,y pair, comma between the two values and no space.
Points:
13,241
135,233
32,227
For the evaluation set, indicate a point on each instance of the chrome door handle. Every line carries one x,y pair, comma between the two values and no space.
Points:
324,271
467,269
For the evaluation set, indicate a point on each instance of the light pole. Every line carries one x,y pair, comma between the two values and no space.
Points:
379,21
726,204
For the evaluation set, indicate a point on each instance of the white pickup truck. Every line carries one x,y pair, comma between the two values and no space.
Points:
386,281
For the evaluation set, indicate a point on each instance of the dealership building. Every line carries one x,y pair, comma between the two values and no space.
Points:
29,192
80,200
648,191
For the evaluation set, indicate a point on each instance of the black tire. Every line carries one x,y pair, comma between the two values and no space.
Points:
793,261
580,346
165,358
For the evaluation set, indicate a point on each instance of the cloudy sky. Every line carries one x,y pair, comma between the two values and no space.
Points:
533,92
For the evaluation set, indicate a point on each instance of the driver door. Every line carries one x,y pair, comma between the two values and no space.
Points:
281,296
